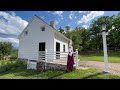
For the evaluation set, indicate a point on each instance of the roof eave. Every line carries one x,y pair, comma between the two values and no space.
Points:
63,36
25,27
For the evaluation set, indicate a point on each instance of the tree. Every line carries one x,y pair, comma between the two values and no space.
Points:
61,30
114,33
5,48
91,38
75,36
68,32
85,35
67,28
95,31
95,36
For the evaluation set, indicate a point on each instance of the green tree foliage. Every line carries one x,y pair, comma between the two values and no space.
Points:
91,38
95,32
68,32
61,30
67,28
76,38
5,48
114,33
85,36
95,35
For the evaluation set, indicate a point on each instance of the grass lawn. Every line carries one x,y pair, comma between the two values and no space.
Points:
113,58
17,70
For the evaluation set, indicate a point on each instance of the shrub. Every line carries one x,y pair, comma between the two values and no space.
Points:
13,57
2,62
2,69
5,68
1,56
7,65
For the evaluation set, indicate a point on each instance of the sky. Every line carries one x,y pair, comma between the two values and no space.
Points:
12,23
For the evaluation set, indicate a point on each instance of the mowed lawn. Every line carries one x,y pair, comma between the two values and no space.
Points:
17,70
112,58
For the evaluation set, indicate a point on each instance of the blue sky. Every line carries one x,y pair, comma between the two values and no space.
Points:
12,23
64,18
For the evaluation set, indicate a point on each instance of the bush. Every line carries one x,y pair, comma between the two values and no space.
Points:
5,48
1,56
2,69
7,65
13,57
5,68
2,63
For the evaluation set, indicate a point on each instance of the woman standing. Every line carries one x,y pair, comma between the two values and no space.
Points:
70,61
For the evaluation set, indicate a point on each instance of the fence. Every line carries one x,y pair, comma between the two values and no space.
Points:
52,59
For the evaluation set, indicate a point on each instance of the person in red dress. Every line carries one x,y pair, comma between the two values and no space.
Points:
70,60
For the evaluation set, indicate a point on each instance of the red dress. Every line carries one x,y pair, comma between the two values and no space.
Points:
70,63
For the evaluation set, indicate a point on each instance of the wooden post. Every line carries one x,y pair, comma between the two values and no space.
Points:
76,58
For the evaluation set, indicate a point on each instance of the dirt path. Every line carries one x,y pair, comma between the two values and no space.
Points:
114,68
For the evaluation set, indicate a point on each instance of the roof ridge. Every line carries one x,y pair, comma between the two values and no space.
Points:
50,26
45,21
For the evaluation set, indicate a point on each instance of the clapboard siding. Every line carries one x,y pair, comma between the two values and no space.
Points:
29,44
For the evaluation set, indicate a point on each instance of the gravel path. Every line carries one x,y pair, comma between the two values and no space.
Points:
114,68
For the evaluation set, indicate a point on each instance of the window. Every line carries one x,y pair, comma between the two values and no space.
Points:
63,48
43,28
26,32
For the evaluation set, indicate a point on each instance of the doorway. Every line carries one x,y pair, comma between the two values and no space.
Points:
57,50
42,50
42,46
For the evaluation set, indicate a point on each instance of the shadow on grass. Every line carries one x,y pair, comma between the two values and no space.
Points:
18,69
92,76
56,75
34,74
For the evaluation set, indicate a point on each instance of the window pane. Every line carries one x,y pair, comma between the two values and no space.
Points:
26,32
43,28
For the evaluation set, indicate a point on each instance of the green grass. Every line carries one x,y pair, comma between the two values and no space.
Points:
17,70
113,58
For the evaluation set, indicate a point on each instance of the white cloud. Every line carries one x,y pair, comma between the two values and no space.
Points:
13,13
90,16
61,17
83,11
56,22
85,26
42,17
59,13
68,25
15,41
72,15
47,11
11,24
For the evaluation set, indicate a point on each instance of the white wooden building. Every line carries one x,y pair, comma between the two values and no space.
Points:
39,36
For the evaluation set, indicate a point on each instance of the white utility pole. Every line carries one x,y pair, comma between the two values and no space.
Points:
106,67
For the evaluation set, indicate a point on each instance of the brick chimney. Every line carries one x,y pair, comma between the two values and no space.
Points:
52,24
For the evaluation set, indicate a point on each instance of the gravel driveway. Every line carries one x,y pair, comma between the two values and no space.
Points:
114,68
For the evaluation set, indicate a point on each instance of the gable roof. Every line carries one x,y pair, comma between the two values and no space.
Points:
25,28
56,31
